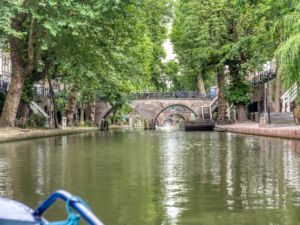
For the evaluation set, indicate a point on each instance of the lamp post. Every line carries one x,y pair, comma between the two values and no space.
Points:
265,98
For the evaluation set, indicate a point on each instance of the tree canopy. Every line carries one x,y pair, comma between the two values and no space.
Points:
100,47
288,53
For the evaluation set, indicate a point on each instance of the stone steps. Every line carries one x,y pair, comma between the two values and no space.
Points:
282,118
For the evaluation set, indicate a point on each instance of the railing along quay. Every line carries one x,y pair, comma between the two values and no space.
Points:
39,91
45,92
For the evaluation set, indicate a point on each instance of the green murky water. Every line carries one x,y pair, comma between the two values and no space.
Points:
155,178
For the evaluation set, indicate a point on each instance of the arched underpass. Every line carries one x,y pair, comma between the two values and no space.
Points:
149,109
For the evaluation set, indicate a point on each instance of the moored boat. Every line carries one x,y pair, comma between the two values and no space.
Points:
203,125
16,213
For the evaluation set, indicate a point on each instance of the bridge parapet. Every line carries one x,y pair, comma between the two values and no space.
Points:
169,95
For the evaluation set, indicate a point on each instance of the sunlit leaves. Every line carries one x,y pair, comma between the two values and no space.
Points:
288,52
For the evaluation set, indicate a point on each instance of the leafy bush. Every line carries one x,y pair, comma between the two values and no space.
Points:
214,116
28,91
37,121
61,101
238,92
89,123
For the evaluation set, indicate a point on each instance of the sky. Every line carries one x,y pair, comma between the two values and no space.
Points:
169,50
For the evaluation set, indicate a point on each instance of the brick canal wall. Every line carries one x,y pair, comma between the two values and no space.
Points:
253,129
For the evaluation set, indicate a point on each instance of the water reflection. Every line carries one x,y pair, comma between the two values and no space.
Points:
161,177
5,176
173,176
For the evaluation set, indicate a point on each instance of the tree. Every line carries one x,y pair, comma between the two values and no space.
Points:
198,35
33,26
212,37
126,49
90,40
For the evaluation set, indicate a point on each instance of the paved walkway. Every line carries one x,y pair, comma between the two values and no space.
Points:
15,134
270,131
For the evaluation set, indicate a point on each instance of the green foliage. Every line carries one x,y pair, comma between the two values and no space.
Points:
195,47
121,54
171,70
8,10
61,100
88,123
229,36
37,121
288,53
238,92
103,48
28,93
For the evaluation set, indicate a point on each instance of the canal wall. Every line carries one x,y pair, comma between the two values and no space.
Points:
9,134
254,129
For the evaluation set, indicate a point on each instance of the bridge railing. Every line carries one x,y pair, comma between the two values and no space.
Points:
168,95
263,77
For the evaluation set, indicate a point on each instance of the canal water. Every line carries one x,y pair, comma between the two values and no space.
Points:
160,178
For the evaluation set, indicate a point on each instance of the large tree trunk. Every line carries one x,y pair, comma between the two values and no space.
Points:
81,114
14,93
23,113
241,115
52,96
222,107
277,93
91,111
70,107
114,118
271,104
201,86
20,69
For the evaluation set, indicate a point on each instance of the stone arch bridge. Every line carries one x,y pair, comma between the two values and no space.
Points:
148,106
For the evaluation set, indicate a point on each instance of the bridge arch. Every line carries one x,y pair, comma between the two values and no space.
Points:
175,118
102,110
176,114
155,119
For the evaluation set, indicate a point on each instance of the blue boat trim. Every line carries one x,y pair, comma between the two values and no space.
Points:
74,202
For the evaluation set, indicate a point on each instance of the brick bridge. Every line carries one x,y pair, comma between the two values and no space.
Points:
149,106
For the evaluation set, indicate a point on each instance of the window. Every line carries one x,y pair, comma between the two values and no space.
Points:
6,63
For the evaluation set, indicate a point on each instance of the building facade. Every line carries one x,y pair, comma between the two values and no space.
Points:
5,70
